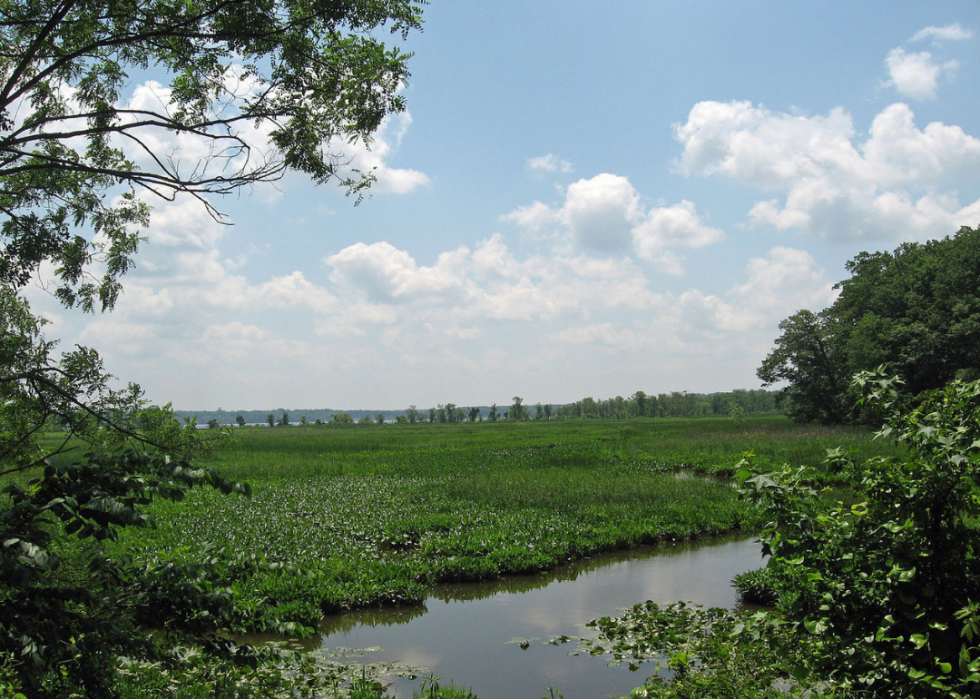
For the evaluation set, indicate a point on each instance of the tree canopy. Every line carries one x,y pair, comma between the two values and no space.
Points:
256,87
915,311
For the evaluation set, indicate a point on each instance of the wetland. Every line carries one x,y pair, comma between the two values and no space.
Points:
369,536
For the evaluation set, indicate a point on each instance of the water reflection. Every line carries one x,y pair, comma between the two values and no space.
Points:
466,633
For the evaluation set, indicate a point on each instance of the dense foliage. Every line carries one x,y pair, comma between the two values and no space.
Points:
68,610
887,589
916,311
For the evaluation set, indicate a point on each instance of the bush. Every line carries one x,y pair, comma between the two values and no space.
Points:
885,592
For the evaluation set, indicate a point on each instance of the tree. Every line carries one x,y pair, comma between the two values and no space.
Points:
640,403
380,418
474,414
517,411
214,424
65,619
284,419
809,357
313,73
271,419
240,420
342,419
493,416
916,310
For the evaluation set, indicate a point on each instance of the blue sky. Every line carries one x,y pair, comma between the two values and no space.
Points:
579,201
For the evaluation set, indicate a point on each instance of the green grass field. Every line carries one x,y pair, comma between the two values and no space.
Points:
377,514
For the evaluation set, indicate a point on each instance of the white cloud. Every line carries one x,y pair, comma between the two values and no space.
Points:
674,226
385,274
493,260
605,215
489,283
235,340
778,285
533,218
549,163
951,32
897,152
916,75
600,213
606,334
705,333
887,187
379,311
291,290
372,158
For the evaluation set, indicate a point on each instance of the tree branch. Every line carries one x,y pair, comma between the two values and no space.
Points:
30,53
38,376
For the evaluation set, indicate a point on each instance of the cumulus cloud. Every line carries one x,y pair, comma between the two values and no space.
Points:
888,186
385,274
916,75
577,304
779,284
376,310
710,333
600,213
669,227
951,32
533,218
549,163
372,158
606,215
489,282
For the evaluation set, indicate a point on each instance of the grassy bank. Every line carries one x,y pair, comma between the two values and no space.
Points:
376,514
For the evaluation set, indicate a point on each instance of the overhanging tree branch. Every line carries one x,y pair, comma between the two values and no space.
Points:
310,73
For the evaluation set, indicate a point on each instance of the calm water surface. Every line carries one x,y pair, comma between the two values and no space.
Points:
469,634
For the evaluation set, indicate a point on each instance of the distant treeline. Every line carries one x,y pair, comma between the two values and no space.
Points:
676,404
261,417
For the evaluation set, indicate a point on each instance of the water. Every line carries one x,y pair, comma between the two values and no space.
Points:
470,634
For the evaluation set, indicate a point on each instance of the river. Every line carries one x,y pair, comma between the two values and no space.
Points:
490,637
